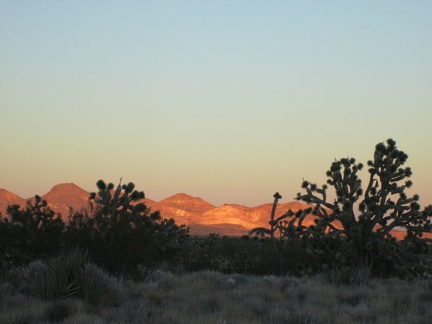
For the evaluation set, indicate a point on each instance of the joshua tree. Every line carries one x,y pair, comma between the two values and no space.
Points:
122,233
282,232
382,207
111,204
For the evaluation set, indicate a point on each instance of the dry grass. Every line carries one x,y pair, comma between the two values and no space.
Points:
211,297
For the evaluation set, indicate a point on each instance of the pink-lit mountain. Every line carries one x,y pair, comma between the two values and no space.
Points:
202,217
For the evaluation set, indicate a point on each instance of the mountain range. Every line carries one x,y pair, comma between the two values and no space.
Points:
199,215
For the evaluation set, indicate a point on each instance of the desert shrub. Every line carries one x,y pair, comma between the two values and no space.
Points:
426,283
346,276
60,310
227,255
58,278
98,288
70,275
29,233
11,278
122,234
297,260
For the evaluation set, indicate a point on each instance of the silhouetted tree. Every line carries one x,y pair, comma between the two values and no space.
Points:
284,235
121,233
367,234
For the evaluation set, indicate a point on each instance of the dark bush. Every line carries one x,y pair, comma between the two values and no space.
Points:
227,255
30,233
121,233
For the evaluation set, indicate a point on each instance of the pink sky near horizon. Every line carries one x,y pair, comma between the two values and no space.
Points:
227,101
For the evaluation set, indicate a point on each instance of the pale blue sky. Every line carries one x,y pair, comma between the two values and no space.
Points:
227,100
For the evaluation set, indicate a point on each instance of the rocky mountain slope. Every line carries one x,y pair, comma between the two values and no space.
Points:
9,198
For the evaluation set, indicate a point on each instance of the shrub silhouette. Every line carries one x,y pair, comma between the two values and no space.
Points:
55,278
227,255
343,237
286,239
69,275
32,232
121,233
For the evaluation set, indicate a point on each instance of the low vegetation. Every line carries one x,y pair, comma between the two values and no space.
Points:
118,261
212,297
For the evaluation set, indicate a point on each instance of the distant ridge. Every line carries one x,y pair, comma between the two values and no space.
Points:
9,198
65,195
202,217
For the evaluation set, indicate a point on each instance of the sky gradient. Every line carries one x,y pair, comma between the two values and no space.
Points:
230,101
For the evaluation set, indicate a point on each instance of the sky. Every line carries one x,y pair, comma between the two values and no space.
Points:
229,101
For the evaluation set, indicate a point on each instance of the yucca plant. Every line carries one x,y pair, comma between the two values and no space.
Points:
56,278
